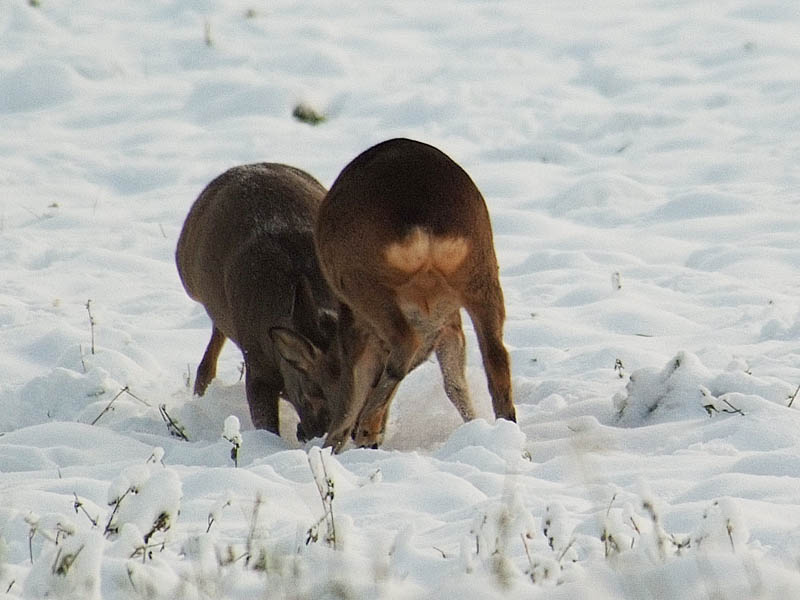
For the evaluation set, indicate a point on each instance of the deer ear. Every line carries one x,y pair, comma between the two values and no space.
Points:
294,348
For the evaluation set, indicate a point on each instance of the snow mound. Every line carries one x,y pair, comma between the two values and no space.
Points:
494,447
684,389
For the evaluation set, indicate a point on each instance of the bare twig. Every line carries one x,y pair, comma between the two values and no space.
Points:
235,446
635,526
129,569
793,396
532,572
31,533
329,497
125,390
61,566
78,505
62,532
175,429
135,397
326,495
610,504
619,368
108,406
91,321
729,528
251,534
162,523
145,551
565,550
109,529
732,409
609,543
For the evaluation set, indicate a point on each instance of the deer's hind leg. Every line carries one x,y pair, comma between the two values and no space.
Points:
207,369
451,354
487,311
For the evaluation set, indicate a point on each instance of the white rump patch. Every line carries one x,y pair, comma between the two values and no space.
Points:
420,250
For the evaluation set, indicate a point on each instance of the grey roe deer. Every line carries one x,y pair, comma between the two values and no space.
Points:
404,240
246,253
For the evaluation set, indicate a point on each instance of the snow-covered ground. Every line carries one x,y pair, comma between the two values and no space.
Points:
640,161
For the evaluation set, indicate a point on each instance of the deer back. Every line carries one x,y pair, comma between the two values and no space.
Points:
250,230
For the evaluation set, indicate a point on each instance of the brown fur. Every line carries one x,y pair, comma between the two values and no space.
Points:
404,240
246,254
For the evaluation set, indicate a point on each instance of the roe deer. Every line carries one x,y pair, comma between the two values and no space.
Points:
404,240
246,253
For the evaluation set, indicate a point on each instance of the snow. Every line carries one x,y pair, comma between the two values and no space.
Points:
640,165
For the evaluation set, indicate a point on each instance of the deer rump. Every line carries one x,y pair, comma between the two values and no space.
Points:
404,241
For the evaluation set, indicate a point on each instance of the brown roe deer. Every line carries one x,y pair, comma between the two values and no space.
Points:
246,253
404,240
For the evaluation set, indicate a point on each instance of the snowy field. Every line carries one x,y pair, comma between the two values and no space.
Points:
640,162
